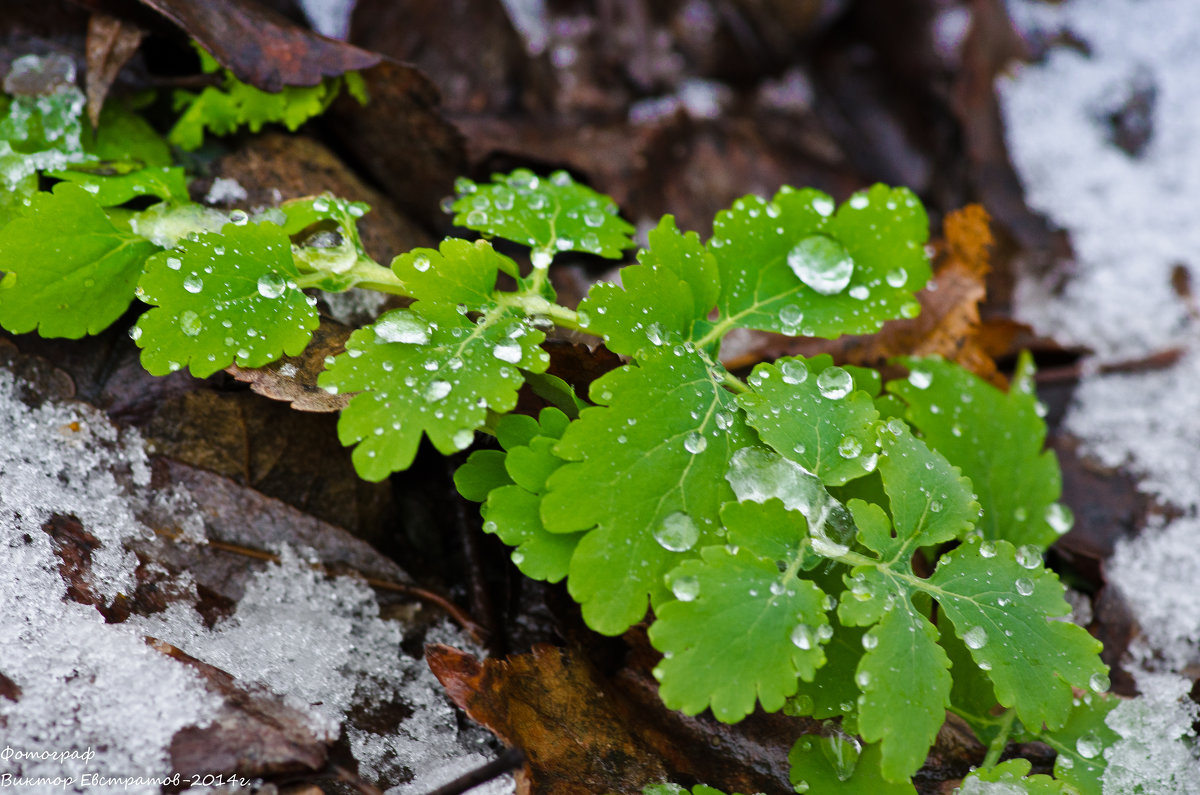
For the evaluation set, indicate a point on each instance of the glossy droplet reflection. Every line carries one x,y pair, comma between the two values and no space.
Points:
822,263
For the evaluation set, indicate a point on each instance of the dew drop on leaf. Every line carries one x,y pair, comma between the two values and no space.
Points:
238,217
462,440
173,263
834,383
507,352
1088,746
921,379
791,315
794,371
1059,517
823,205
189,323
1029,556
135,333
869,641
686,588
975,638
987,549
1099,682
437,390
402,327
842,754
271,285
695,443
677,533
822,263
193,283
1024,586
849,447
897,277
803,637
863,679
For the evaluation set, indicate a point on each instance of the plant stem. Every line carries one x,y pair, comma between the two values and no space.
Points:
1000,742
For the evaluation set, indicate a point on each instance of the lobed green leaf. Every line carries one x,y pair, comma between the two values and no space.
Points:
1012,778
457,272
834,765
223,298
68,270
110,190
549,214
792,265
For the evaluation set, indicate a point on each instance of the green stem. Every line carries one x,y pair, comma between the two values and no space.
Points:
368,274
1000,741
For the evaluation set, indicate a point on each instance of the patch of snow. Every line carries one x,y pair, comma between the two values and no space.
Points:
329,17
355,306
1157,753
85,686
530,20
225,191
1131,218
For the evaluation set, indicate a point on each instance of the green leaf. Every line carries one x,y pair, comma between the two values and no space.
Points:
648,463
68,270
676,276
741,628
123,136
905,689
1012,777
325,240
428,370
1002,607
223,110
833,691
1081,742
512,511
819,421
793,266
221,298
110,190
997,439
818,770
457,272
550,214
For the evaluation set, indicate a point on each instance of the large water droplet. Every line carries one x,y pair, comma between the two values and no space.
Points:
193,283
841,751
1089,746
271,285
897,278
1029,556
822,263
173,263
794,371
677,533
401,327
1024,586
508,352
1099,682
921,379
863,679
420,263
695,443
803,637
975,638
849,447
835,383
1059,517
869,641
189,323
987,549
437,390
686,588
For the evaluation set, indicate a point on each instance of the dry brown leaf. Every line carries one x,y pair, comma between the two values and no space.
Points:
294,378
111,42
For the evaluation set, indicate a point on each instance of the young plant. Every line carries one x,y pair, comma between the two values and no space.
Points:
808,538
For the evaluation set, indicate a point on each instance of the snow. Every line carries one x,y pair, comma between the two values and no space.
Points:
1130,214
329,17
94,699
225,191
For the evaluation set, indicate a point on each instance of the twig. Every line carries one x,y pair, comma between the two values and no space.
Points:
1073,372
511,759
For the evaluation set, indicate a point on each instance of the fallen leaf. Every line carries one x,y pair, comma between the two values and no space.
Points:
260,46
294,378
110,44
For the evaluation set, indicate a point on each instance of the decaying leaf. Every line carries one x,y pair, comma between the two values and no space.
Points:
294,378
111,42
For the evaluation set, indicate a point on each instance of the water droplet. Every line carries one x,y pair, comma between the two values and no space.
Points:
135,333
594,217
869,641
860,292
1064,762
859,201
863,679
193,283
677,533
791,315
508,352
464,186
849,447
477,218
437,390
842,753
823,205
921,379
1059,517
1024,586
987,549
1029,556
695,443
794,371
910,309
822,263
975,638
541,258
686,588
802,637
420,263
835,383
189,323
897,278
173,263
462,440
1099,682
271,285
238,217
401,327
1089,746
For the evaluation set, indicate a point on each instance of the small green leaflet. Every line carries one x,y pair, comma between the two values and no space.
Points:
741,629
223,298
1002,602
548,214
646,478
676,275
996,438
126,138
1082,741
837,765
68,270
222,110
1012,777
324,231
820,422
511,482
428,370
794,266
111,189
675,789
457,272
